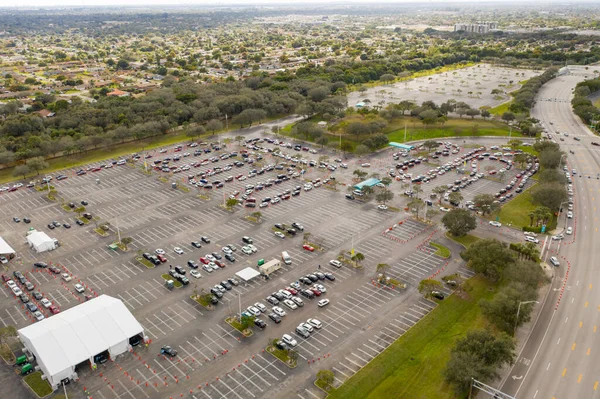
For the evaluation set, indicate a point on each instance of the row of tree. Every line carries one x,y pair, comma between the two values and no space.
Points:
524,97
582,106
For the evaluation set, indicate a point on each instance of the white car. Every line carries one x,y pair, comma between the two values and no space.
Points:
320,287
530,233
263,205
532,239
558,237
444,209
38,316
570,215
323,302
210,257
289,340
178,250
279,234
213,265
569,230
66,277
495,224
278,311
254,310
79,288
307,327
382,207
298,301
366,165
247,250
195,273
46,303
336,263
290,304
252,248
207,268
315,323
17,291
227,250
260,307
160,251
11,283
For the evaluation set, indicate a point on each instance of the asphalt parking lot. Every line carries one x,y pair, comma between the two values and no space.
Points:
214,359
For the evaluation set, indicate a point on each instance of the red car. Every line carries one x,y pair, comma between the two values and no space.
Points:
54,269
54,309
291,290
204,260
220,264
96,169
5,278
315,291
308,247
161,258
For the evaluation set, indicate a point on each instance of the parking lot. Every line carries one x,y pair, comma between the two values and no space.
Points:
214,359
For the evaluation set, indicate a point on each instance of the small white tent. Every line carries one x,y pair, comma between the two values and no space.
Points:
40,241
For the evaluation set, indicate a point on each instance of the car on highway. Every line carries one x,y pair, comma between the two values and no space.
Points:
558,237
569,230
532,239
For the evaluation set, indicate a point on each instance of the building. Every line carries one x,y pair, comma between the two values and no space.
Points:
478,27
405,147
118,93
247,274
367,183
93,332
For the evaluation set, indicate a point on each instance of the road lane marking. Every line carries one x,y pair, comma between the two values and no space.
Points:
586,304
564,372
595,327
580,324
579,379
558,342
573,346
548,367
595,385
588,351
590,286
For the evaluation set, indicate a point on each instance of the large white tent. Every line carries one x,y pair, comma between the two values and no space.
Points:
40,241
77,335
5,249
247,274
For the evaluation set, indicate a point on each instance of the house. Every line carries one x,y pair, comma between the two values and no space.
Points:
46,113
118,93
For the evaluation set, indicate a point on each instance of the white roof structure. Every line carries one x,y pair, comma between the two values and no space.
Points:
78,334
40,241
5,248
247,274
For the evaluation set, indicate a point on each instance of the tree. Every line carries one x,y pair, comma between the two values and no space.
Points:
246,321
231,202
382,269
478,355
239,139
326,377
473,113
257,215
428,117
415,205
431,145
550,195
485,113
508,117
488,257
430,213
550,159
126,241
426,287
346,146
439,190
502,309
360,174
358,258
384,196
322,141
515,144
459,222
37,164
214,125
21,170
485,203
387,78
195,131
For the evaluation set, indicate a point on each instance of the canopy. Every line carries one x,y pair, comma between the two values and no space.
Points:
40,241
247,274
5,248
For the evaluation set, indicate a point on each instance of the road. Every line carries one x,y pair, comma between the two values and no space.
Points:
560,358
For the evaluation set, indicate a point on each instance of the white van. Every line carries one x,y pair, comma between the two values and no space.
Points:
286,258
554,261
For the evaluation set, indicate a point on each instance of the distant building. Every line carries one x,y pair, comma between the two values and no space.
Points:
478,27
117,93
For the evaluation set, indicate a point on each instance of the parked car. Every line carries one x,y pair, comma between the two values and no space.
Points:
323,302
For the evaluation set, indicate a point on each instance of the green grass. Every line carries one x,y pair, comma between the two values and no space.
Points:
84,220
37,385
282,355
145,262
465,240
7,354
515,212
412,366
597,103
500,109
233,322
442,251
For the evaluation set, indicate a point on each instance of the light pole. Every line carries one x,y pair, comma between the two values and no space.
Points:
519,310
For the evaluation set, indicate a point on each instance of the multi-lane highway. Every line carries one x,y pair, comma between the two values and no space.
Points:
561,358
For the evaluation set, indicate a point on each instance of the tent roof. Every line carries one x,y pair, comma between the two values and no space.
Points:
77,334
369,182
37,238
247,274
5,248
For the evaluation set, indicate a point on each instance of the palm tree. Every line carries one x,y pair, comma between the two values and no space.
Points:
531,215
358,258
382,268
125,241
256,215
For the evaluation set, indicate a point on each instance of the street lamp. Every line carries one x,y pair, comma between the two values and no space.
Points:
519,310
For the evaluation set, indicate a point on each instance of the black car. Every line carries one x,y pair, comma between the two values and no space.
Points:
192,264
56,224
260,323
217,255
291,231
225,285
305,280
276,318
26,220
16,220
307,294
312,277
329,276
230,257
205,239
24,298
216,292
183,279
278,296
79,222
50,226
297,226
247,240
437,294
17,274
167,350
155,261
214,300
349,196
233,281
279,226
180,270
71,205
272,300
40,264
196,244
66,225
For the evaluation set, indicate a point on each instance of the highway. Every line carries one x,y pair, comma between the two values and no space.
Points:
561,359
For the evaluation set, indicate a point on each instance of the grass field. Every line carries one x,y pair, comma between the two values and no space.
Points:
412,366
453,127
442,251
465,240
515,212
39,386
597,103
500,109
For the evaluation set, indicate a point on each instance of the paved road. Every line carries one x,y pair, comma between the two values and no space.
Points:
560,359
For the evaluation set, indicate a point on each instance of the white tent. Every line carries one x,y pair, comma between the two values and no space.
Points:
5,249
75,336
247,274
40,241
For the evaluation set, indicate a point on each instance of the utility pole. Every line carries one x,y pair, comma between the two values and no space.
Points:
226,123
118,231
405,132
240,303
